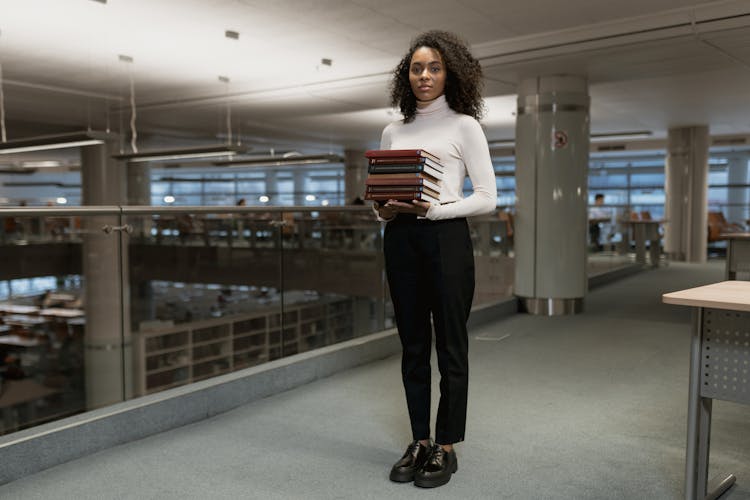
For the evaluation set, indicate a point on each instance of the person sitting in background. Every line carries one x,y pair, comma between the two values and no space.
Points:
597,215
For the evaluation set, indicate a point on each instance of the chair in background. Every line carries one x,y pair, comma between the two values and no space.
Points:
718,226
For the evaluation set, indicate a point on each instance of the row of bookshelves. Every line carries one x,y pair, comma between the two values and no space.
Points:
175,355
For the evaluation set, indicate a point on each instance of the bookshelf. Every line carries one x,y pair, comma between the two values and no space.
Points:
169,355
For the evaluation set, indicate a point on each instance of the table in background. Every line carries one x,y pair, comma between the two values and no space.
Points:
738,254
719,351
646,230
18,309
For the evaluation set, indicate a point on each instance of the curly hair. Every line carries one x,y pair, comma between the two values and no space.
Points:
463,84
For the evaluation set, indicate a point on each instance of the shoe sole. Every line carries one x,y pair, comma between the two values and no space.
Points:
426,482
401,477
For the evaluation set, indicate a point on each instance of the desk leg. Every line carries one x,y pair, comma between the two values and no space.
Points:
729,275
694,409
639,231
699,429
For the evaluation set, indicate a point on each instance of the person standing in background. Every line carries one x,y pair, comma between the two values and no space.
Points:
428,251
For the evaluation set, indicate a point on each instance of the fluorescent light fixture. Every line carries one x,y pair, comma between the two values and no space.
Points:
181,154
169,199
278,161
618,136
59,141
41,164
502,143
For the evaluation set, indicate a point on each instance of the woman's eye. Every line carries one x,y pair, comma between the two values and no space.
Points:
435,69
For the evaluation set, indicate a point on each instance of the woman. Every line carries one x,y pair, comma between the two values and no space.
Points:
428,252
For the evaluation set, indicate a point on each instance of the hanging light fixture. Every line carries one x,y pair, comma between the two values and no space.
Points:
57,141
279,161
182,153
196,152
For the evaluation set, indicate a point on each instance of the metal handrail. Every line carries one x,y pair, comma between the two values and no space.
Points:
156,210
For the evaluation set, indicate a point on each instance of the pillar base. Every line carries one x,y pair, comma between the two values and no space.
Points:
551,307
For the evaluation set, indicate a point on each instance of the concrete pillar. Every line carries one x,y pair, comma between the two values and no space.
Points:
299,187
552,150
686,190
737,196
355,173
272,190
107,343
138,183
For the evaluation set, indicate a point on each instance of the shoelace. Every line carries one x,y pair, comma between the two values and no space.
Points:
436,455
413,449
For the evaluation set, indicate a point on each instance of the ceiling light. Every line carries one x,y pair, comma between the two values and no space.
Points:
324,203
274,161
169,199
264,199
41,164
180,154
61,200
60,141
614,136
310,197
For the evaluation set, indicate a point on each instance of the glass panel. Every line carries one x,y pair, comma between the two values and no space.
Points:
61,346
492,239
333,277
205,295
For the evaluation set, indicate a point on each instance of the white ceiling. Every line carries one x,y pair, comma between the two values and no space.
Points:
651,64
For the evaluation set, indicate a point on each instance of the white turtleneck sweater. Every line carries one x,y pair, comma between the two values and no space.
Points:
460,143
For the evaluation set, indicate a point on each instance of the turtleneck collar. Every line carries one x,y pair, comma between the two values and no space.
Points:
438,106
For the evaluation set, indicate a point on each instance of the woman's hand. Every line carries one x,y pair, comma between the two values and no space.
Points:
415,207
384,211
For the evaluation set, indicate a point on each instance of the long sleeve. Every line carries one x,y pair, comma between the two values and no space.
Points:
475,155
385,143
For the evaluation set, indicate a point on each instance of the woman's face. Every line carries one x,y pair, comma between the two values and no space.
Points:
427,74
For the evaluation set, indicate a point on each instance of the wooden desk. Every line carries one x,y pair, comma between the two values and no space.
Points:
646,230
24,320
18,341
61,313
738,254
17,309
17,392
718,350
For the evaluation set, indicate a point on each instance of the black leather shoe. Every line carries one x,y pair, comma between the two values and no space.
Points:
438,468
415,456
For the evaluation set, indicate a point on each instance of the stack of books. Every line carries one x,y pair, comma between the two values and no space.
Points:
404,175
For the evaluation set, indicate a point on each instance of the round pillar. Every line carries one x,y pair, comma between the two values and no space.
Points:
737,196
107,342
686,192
552,151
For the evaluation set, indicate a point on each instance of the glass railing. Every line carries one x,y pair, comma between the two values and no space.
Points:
99,305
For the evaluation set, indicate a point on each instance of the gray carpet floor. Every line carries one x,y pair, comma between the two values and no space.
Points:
583,407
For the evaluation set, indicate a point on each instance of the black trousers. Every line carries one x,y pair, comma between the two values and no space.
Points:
430,269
